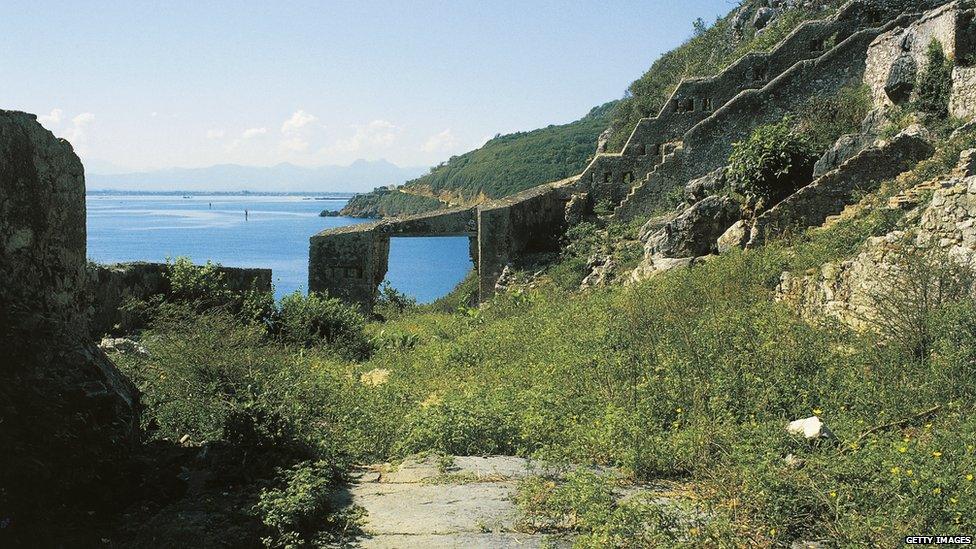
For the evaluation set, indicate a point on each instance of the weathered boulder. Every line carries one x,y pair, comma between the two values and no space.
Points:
829,194
764,16
698,189
123,346
843,149
602,268
901,78
69,416
696,230
735,236
577,208
602,140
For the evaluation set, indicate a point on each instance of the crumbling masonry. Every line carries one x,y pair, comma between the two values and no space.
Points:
690,137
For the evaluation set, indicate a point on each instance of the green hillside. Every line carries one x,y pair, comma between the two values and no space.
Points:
709,51
504,165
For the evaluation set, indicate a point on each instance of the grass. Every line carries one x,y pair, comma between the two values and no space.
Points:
690,377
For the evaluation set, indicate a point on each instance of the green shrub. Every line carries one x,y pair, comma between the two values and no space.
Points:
204,287
299,512
476,424
316,320
771,164
825,119
912,294
391,302
935,83
200,284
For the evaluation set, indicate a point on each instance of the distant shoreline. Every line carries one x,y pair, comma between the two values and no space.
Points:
219,193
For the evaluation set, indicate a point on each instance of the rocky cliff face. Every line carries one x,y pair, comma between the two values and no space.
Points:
847,290
68,416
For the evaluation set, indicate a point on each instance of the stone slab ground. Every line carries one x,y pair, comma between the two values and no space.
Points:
432,503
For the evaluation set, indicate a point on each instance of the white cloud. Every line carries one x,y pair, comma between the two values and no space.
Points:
295,144
246,135
441,142
77,132
74,130
52,119
298,120
376,134
215,133
253,132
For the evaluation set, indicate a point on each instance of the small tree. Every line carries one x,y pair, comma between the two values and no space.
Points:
774,162
935,83
913,288
319,319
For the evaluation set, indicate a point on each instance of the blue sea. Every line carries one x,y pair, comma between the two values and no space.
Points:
126,227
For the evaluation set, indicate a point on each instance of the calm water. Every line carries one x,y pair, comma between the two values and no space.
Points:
275,235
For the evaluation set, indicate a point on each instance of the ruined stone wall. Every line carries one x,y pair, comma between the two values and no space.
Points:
529,222
351,262
348,263
611,176
707,146
111,286
69,417
846,290
897,57
828,195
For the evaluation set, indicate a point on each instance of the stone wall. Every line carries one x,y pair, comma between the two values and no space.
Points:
529,222
112,286
828,195
707,145
350,262
897,57
70,418
845,290
611,176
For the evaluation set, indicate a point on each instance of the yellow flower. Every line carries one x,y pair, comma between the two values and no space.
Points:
678,410
833,494
953,501
894,470
936,454
903,449
969,477
817,411
908,472
937,491
772,532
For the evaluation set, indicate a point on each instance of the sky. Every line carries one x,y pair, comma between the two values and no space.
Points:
139,85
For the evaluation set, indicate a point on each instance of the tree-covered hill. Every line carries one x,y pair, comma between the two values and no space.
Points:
504,165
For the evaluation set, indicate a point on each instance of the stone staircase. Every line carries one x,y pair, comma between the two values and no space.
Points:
673,149
909,198
674,167
848,212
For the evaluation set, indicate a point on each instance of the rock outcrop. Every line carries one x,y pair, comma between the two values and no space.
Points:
828,195
847,290
69,417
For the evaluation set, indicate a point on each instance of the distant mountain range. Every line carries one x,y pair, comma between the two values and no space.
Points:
360,176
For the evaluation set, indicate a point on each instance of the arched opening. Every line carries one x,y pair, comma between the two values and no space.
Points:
428,267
